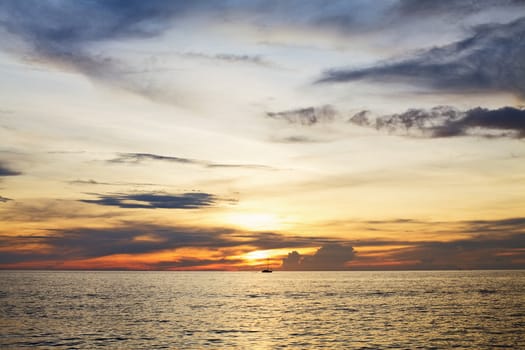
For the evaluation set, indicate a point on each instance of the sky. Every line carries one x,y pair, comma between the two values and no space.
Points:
225,135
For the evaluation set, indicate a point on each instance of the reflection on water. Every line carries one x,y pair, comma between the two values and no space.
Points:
248,310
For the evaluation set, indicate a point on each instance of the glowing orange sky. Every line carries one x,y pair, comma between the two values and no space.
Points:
188,138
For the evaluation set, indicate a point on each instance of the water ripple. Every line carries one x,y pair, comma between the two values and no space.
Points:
310,310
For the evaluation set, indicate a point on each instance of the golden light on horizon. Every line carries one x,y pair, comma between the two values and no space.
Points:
257,255
272,256
255,221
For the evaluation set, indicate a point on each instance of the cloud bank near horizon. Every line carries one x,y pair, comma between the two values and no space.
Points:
488,244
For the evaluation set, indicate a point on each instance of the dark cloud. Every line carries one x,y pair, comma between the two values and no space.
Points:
94,182
485,228
84,243
135,158
208,264
4,199
57,24
139,237
509,225
232,58
46,210
65,34
306,116
445,121
331,256
505,118
139,157
424,8
296,139
479,252
491,59
189,200
88,182
292,261
489,244
6,171
62,33
356,17
255,59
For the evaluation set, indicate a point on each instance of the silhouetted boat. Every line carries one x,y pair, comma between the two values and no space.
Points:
267,269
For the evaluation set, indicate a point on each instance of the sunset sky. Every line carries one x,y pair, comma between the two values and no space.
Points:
188,135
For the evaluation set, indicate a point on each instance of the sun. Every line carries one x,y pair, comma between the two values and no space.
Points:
257,255
255,221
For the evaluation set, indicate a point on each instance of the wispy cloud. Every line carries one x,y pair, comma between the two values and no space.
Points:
508,225
7,171
306,116
135,158
46,210
64,34
445,121
94,182
491,59
512,225
297,139
189,200
257,60
139,157
456,8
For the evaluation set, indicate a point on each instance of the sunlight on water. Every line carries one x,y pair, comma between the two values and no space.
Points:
248,310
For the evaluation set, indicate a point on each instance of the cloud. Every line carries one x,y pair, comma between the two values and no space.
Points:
508,225
139,237
88,182
208,264
296,139
488,244
94,182
65,34
189,200
361,17
71,36
135,158
479,252
231,58
331,256
81,243
6,171
306,116
4,199
68,35
50,210
61,22
445,121
485,228
424,8
491,59
139,157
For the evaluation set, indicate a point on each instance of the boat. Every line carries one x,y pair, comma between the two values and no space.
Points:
267,269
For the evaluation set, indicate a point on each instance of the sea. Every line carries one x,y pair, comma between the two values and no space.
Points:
253,310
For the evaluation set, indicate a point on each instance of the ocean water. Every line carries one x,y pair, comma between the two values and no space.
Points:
250,310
